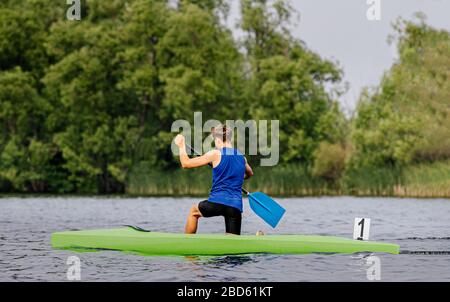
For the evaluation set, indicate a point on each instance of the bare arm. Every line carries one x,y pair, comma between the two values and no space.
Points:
210,157
248,170
189,163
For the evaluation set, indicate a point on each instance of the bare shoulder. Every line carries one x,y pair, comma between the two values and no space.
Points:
215,156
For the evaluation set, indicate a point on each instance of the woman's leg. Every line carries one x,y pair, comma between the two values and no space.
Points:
192,221
233,223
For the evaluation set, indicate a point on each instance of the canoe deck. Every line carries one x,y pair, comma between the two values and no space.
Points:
155,243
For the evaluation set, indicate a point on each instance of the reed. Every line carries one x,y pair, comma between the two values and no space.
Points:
422,180
426,180
151,182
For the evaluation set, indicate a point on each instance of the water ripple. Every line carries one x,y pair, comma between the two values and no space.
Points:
420,228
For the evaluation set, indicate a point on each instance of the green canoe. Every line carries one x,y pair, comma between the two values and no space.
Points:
154,243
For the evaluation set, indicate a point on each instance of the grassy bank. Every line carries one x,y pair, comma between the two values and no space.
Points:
425,180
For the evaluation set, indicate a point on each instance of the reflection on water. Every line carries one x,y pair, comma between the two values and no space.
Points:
220,262
420,227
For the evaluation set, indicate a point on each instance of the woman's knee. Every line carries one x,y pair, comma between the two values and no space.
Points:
194,211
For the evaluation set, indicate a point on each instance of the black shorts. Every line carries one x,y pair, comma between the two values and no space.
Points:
233,217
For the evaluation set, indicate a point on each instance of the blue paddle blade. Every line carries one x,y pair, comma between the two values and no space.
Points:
266,208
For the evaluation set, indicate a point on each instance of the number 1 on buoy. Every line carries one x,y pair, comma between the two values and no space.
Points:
361,229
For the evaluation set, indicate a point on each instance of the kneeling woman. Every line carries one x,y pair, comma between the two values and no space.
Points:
230,168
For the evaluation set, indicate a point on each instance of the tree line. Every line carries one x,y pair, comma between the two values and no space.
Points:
83,103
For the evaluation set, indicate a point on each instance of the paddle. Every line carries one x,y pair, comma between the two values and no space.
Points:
263,206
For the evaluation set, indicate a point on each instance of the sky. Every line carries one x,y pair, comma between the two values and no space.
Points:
339,30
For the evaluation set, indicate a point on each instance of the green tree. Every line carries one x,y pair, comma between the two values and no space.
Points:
83,102
407,118
329,161
287,81
24,152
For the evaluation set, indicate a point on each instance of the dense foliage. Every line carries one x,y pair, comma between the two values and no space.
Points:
407,120
83,102
87,106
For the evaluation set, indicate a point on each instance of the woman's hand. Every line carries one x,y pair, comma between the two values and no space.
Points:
188,163
179,141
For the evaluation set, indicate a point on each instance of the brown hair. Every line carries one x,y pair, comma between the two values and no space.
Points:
222,132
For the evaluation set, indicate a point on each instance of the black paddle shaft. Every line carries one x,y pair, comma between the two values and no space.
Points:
210,164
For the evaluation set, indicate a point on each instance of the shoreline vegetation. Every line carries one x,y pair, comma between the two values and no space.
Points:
87,108
416,181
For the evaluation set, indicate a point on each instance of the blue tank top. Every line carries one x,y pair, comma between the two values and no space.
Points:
227,179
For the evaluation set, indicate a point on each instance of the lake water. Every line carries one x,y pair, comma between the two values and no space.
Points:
420,227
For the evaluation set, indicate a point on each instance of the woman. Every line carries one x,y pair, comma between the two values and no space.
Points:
230,168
